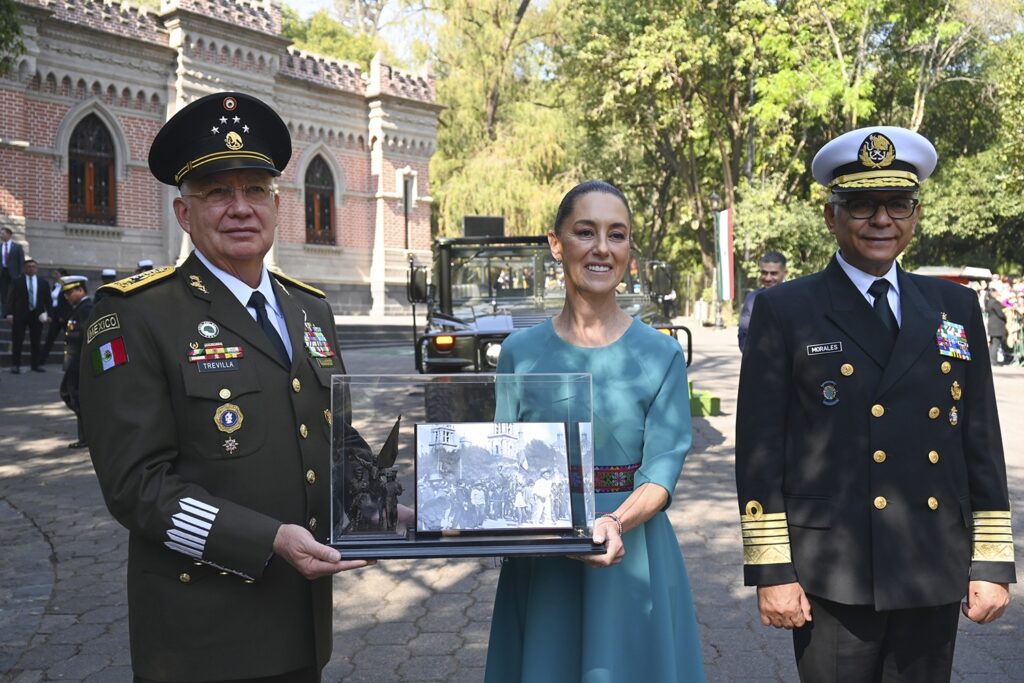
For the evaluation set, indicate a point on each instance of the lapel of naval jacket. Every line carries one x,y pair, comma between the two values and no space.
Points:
918,324
225,309
851,313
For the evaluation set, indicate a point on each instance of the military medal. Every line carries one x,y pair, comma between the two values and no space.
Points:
228,418
951,339
230,445
213,351
830,393
954,417
317,345
955,391
327,416
209,329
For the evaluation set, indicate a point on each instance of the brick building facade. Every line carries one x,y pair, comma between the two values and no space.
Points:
98,79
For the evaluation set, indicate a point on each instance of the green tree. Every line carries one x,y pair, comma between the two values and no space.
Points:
10,35
324,35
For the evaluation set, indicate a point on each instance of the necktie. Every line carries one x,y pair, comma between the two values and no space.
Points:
31,294
259,302
879,289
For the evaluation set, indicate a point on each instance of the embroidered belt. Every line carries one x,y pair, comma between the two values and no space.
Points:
607,478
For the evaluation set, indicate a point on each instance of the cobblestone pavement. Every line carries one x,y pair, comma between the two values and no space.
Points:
62,569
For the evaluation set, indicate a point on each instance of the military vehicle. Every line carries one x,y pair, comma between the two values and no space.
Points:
484,288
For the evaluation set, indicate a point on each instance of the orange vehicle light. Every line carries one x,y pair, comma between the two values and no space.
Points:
443,342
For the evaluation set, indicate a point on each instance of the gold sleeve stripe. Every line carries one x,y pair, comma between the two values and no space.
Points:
992,536
765,536
991,514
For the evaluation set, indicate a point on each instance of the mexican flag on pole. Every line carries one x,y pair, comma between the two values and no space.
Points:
109,355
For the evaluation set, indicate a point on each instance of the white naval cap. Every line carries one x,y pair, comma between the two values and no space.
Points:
69,282
876,158
108,272
146,263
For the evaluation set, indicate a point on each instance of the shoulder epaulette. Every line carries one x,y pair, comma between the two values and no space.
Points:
139,281
296,283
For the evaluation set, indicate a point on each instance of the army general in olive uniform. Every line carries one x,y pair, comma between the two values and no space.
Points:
869,464
206,401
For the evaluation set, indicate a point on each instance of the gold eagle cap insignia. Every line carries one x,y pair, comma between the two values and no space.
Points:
233,141
877,151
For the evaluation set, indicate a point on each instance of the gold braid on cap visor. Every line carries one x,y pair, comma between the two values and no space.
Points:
217,156
870,179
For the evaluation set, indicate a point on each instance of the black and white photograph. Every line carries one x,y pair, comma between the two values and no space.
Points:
492,476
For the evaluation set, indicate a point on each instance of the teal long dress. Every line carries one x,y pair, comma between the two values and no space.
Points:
558,620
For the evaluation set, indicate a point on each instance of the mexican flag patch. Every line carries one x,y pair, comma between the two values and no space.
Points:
109,355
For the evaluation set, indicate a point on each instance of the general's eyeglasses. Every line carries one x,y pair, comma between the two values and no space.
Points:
898,207
222,195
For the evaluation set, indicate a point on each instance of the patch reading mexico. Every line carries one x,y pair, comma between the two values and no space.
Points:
951,338
825,347
316,342
109,356
104,324
829,393
228,418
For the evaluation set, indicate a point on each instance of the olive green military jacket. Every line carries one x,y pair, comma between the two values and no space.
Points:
205,442
872,477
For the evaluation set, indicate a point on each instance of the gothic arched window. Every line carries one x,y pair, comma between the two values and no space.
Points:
91,188
319,203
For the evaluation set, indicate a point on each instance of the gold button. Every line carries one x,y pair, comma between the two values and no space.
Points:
249,581
223,573
198,564
296,385
303,432
184,577
877,410
945,367
310,477
881,502
312,523
846,369
933,412
933,503
933,457
224,394
879,456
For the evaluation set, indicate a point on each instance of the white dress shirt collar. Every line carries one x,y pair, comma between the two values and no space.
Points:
241,290
862,281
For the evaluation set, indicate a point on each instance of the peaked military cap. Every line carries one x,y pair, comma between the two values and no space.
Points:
220,132
69,282
108,272
877,158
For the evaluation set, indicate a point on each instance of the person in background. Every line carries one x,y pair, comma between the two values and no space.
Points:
28,308
107,276
12,263
627,614
772,271
73,290
144,265
60,312
997,329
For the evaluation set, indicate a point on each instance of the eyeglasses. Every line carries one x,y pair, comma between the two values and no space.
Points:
222,195
898,207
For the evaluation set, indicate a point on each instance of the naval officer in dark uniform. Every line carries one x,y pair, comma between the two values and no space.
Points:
75,294
206,398
869,463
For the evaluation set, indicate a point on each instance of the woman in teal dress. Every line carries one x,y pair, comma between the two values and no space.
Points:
626,615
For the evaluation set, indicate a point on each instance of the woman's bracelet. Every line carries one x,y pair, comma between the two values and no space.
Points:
615,518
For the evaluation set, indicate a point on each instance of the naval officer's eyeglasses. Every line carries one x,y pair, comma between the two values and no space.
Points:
222,195
897,207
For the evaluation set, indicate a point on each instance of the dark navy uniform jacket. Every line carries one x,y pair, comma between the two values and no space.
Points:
202,460
872,479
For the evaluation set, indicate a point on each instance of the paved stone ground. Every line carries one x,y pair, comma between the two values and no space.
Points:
62,568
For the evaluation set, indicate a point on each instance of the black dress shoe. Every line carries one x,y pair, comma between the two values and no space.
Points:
78,444
38,369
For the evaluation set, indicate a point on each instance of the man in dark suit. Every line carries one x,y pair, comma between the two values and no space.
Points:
772,271
74,292
28,307
60,313
869,464
12,260
209,429
996,328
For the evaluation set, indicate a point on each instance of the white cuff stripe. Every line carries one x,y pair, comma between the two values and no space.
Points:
183,549
187,539
191,527
199,504
198,512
